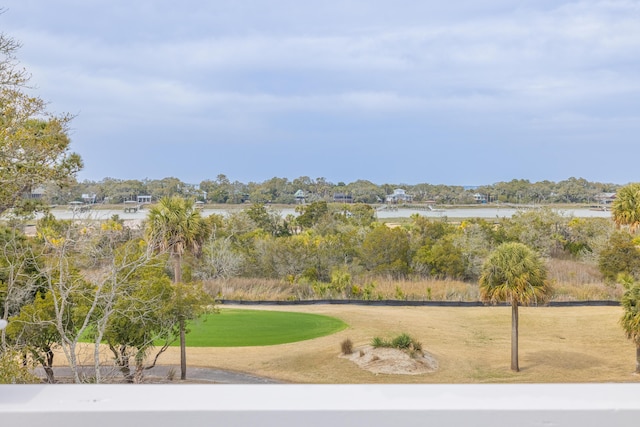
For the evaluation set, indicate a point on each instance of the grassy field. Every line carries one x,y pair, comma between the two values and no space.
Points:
242,328
557,344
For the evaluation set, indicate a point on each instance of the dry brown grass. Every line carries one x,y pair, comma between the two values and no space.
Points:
571,280
577,281
471,345
425,290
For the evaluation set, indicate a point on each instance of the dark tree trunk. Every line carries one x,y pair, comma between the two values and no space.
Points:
122,362
183,345
638,359
48,367
514,337
183,351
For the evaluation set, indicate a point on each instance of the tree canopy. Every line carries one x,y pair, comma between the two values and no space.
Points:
34,144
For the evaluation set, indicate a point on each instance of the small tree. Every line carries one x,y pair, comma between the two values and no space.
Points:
144,316
33,331
515,274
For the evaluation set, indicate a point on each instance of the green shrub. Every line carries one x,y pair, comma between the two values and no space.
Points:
377,342
13,371
402,341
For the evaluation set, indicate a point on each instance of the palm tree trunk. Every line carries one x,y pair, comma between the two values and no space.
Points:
514,337
183,344
638,359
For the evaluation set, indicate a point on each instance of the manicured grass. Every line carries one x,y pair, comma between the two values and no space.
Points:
241,328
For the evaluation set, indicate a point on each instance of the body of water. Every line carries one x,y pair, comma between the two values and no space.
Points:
480,212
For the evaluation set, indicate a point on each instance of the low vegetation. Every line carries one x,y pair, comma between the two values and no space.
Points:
346,346
402,342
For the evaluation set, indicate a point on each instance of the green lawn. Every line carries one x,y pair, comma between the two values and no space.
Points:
241,328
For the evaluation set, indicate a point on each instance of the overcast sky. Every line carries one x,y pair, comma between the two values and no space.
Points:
399,91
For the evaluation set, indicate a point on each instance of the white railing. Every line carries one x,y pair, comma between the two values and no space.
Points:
575,405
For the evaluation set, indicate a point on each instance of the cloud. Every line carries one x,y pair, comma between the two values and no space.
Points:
244,70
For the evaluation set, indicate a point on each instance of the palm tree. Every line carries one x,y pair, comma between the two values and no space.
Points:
630,320
626,211
515,274
626,207
175,226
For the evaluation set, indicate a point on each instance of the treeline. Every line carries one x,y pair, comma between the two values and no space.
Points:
283,191
338,249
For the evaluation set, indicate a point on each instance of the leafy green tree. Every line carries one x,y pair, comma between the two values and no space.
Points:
84,268
630,320
145,314
364,191
274,190
18,277
175,226
358,214
311,214
268,220
443,259
218,191
34,332
34,144
515,274
543,230
167,187
386,250
620,255
586,237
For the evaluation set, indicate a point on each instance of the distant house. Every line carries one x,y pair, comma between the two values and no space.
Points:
144,199
342,198
399,196
36,193
89,198
480,198
300,197
605,198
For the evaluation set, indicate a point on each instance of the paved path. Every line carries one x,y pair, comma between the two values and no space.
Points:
216,376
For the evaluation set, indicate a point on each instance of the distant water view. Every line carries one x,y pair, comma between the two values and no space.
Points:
382,213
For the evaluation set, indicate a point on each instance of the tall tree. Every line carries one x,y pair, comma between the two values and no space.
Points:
34,144
626,212
630,320
175,226
515,274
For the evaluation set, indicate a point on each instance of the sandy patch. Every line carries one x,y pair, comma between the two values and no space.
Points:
391,361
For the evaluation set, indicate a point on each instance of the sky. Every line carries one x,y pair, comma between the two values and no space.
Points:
464,92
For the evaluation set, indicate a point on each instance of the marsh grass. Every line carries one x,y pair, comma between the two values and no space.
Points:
571,281
578,281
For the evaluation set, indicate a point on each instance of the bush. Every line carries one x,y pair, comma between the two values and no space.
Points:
13,371
402,341
377,342
620,256
346,346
